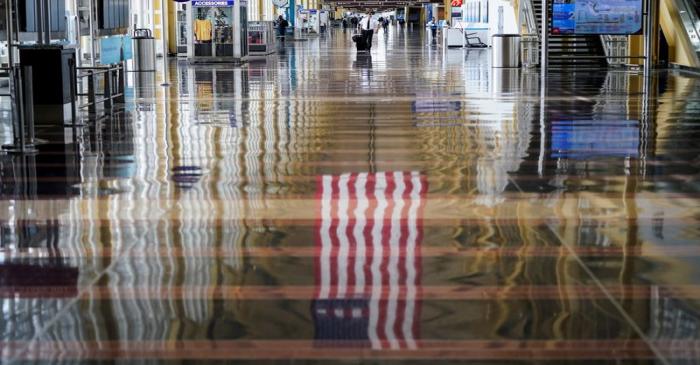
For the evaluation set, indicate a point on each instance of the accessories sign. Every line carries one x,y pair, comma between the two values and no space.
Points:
213,3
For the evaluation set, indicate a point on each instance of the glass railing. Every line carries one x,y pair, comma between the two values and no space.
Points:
529,33
616,49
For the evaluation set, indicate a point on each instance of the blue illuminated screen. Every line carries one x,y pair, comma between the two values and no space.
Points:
596,16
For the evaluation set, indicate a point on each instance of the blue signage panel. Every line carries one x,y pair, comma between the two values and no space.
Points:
127,48
212,3
597,17
111,50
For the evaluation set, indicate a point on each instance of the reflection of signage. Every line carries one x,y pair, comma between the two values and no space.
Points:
368,267
583,139
214,3
597,16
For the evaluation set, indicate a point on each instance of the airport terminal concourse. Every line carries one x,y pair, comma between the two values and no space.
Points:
350,182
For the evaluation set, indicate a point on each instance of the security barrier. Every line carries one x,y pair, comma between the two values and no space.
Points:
113,86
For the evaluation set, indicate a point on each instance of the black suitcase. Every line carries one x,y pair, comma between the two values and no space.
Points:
360,42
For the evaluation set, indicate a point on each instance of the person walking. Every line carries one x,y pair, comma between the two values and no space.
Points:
367,26
282,25
433,25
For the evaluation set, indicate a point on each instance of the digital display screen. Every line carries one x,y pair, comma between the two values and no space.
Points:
597,16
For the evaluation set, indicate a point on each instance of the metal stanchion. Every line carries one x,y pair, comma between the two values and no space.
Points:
121,81
108,78
23,100
92,88
28,97
74,94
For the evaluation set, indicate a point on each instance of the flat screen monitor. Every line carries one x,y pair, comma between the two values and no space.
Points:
597,17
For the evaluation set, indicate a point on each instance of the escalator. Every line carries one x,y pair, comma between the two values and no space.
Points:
680,23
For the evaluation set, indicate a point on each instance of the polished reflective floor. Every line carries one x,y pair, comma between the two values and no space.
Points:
321,206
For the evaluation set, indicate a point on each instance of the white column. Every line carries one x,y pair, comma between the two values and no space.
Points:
237,29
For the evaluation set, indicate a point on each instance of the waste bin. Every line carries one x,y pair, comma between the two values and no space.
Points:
144,50
506,50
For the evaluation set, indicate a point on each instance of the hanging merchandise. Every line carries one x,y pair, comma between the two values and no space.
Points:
202,30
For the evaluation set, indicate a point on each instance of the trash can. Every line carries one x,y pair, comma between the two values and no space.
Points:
144,51
506,50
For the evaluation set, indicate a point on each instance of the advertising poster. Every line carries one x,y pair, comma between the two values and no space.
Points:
597,17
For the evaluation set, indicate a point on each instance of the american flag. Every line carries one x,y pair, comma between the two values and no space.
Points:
368,262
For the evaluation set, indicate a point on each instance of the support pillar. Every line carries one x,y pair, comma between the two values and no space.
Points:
544,44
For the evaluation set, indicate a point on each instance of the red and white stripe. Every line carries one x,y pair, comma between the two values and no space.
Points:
368,241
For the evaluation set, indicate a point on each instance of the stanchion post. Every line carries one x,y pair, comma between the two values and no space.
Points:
121,80
28,102
73,92
19,125
108,88
92,105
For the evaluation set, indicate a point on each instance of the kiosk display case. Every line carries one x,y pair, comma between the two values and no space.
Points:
217,31
261,38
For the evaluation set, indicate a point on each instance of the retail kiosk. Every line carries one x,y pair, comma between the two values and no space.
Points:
218,31
261,38
308,21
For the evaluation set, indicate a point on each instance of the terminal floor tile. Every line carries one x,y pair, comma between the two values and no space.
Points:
411,205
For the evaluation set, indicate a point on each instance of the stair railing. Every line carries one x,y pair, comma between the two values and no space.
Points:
616,49
530,36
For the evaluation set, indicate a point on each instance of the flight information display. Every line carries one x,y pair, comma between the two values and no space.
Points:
597,16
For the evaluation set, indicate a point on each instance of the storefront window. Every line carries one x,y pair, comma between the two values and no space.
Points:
213,31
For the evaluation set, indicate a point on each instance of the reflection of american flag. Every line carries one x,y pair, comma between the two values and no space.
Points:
368,258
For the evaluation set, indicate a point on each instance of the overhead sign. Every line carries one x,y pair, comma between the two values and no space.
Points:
597,17
212,3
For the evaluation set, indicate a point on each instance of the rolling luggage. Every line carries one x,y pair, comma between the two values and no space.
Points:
360,42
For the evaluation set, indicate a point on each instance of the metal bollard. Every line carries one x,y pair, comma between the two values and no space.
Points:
108,88
92,105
